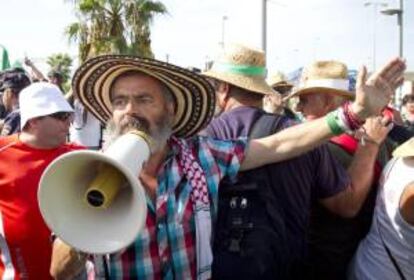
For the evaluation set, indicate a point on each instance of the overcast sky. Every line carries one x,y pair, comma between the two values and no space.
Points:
299,31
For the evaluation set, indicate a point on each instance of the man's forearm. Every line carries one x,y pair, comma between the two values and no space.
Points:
37,73
361,172
372,95
286,144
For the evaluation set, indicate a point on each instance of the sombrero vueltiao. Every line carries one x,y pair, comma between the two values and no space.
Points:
194,97
330,77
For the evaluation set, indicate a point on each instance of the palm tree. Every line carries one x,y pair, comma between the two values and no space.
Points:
62,63
114,26
140,14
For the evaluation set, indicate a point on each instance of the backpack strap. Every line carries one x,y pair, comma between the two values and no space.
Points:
250,220
265,125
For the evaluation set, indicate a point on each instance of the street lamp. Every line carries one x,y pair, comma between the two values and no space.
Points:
264,21
264,25
375,6
399,13
223,20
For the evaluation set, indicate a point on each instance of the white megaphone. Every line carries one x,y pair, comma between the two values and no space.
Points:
94,201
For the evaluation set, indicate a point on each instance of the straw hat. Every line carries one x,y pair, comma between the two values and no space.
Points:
243,67
405,150
194,96
279,81
329,77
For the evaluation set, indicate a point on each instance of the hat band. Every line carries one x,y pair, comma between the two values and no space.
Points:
240,69
328,83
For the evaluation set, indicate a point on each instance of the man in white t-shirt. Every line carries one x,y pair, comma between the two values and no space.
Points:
387,251
85,129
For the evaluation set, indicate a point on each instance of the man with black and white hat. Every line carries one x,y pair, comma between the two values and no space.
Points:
25,247
182,174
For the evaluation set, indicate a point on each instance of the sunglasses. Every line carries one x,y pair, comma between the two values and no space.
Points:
61,116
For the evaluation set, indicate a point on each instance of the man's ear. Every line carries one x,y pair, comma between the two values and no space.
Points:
223,92
32,122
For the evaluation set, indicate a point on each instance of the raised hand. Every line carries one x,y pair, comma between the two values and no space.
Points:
375,92
27,61
66,262
377,128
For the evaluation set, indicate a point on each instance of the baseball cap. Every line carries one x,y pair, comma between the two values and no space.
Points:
14,79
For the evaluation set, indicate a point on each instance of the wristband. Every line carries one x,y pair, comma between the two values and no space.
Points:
333,121
352,119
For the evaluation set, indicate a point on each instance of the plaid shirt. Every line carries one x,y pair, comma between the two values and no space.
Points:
166,249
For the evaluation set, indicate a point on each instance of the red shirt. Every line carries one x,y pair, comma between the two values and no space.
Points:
25,247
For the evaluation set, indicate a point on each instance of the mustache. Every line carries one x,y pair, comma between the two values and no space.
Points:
129,123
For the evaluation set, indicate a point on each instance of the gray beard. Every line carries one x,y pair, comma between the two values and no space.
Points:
159,135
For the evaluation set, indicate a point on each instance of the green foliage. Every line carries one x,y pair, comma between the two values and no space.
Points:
113,26
61,62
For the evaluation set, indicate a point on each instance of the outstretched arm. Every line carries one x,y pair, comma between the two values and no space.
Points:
36,72
361,170
372,95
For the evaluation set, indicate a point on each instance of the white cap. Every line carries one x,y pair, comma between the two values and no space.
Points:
41,99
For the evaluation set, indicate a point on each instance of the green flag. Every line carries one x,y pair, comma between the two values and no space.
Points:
4,59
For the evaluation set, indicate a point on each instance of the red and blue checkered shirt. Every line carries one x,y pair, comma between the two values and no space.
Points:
166,249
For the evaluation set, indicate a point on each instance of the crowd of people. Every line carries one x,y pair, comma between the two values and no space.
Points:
248,177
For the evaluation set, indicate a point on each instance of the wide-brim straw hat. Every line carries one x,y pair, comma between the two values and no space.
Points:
405,150
243,67
193,95
279,81
330,77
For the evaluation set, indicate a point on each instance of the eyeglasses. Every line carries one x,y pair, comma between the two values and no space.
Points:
283,90
61,116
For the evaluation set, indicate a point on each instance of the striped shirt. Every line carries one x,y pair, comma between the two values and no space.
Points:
166,249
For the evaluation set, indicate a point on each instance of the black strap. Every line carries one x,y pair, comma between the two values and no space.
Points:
265,125
394,262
